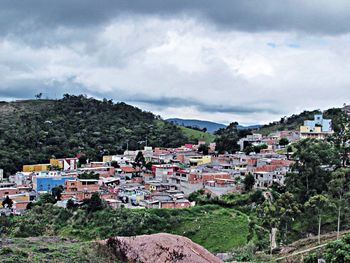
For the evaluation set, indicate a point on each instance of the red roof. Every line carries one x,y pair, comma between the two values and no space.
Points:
128,169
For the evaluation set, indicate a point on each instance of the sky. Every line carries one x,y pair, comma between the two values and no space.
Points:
250,61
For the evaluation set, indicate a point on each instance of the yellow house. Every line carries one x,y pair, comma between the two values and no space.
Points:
199,160
307,129
106,158
36,167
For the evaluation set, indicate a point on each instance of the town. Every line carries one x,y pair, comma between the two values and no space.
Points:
160,177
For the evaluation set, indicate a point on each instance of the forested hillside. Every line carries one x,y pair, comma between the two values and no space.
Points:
33,131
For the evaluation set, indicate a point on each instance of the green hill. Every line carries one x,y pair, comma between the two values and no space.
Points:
33,131
295,121
195,135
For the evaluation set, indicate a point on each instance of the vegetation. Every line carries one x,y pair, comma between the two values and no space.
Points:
296,120
335,252
49,249
197,135
217,229
35,131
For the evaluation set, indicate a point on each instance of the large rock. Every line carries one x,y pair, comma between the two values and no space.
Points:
158,248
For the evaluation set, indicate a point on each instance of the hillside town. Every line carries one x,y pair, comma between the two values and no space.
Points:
160,177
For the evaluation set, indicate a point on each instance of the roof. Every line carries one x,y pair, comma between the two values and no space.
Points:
128,169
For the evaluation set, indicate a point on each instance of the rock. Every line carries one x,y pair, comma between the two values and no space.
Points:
157,248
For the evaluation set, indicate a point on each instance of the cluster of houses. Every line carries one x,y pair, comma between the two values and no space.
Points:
173,175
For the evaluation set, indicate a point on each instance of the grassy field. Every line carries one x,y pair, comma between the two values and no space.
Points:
218,231
48,249
198,135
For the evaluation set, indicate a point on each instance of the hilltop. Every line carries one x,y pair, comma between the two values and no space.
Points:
201,124
33,131
295,121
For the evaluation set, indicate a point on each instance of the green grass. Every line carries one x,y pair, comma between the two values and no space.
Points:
198,135
219,230
48,249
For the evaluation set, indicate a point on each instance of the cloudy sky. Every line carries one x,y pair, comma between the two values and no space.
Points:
251,61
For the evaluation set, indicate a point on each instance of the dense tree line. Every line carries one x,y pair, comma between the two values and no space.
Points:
39,130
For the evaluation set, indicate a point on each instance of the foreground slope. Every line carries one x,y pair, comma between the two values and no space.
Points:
158,248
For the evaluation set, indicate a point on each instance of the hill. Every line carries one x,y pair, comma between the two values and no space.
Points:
209,125
295,121
33,131
196,135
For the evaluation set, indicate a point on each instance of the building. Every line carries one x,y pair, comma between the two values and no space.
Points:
46,183
36,167
66,164
199,160
253,139
79,189
317,128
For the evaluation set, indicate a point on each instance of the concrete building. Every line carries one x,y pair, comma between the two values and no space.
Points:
317,128
46,183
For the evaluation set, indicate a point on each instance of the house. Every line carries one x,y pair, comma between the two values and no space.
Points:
8,191
66,164
102,171
199,160
253,139
79,189
81,185
166,200
318,128
46,183
162,172
157,186
36,167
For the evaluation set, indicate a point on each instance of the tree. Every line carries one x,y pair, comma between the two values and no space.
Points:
57,192
335,252
90,175
339,186
94,203
317,206
7,202
70,204
115,164
227,138
203,148
341,135
140,159
47,198
283,142
249,182
311,171
39,95
267,212
287,209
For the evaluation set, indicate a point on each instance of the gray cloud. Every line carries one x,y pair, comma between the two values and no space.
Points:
252,61
209,108
319,17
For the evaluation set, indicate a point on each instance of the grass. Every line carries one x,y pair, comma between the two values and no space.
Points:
219,230
48,249
198,135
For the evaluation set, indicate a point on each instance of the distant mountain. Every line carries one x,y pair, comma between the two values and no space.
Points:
209,125
253,127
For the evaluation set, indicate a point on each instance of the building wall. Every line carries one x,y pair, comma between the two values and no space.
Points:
36,167
47,183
